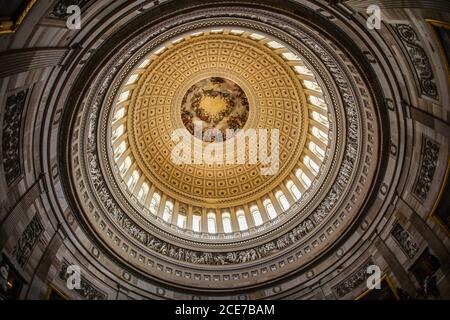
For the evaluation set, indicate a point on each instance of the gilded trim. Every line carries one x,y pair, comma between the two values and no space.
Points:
9,27
390,286
445,25
438,200
51,288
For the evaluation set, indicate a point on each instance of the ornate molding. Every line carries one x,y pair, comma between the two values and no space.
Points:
15,105
419,59
404,240
11,24
87,290
27,241
428,164
60,9
353,281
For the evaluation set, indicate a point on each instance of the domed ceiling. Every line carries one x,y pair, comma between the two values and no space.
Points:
211,149
235,71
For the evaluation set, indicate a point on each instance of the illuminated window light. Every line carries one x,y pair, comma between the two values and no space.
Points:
256,215
312,85
303,70
118,132
293,189
196,223
322,136
291,57
181,221
120,150
242,222
176,41
212,222
226,222
132,79
154,204
303,178
133,180
311,164
319,118
275,45
282,200
124,96
168,209
125,166
143,192
318,151
119,114
270,209
145,63
237,32
160,50
318,102
256,36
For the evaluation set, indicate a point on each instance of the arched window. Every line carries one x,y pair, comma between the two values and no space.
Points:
125,166
293,189
317,101
144,63
181,222
275,45
256,215
196,222
320,118
132,79
291,57
124,96
282,200
270,208
154,204
133,180
311,85
143,192
311,164
303,70
168,209
118,132
242,222
120,150
119,114
256,36
226,221
212,222
322,136
303,178
237,31
318,151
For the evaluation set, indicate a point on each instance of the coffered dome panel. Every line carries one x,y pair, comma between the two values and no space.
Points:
277,101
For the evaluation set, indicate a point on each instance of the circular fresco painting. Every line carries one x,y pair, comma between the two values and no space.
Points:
216,108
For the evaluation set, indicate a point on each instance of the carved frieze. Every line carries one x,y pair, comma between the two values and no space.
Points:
11,135
430,155
353,281
419,60
27,241
405,241
60,9
87,290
